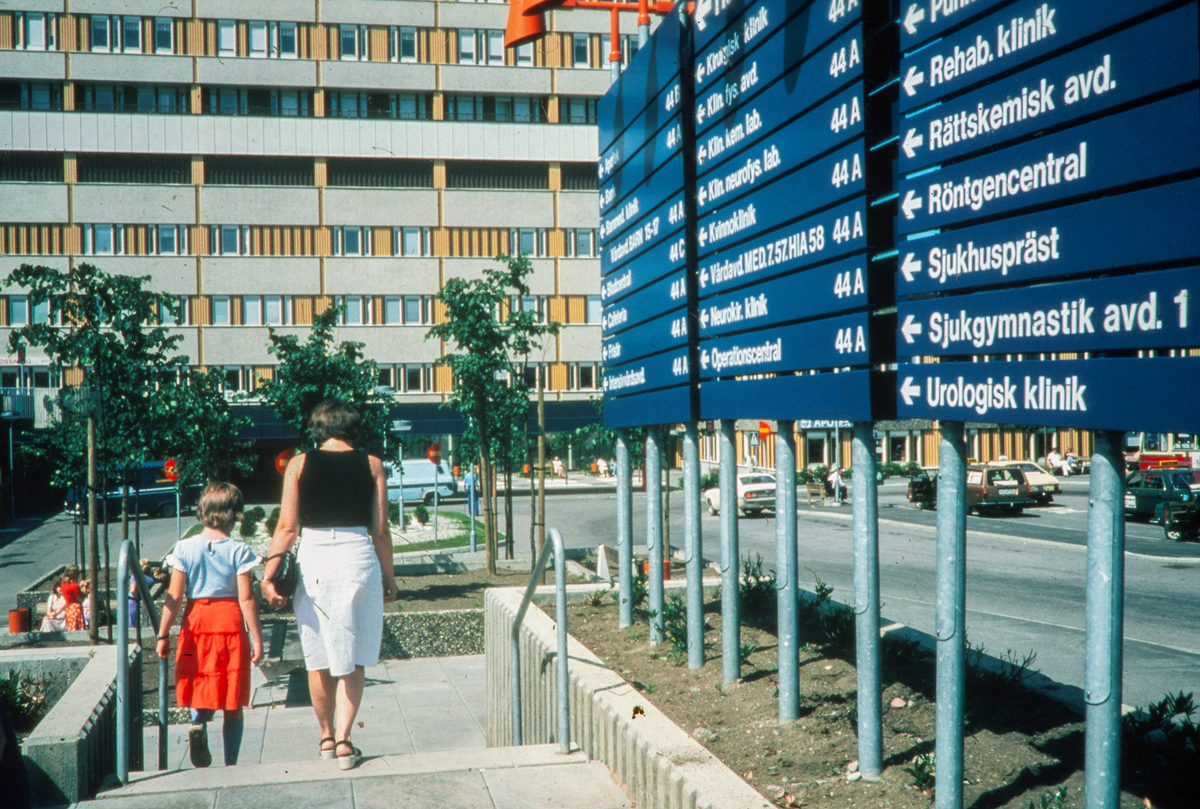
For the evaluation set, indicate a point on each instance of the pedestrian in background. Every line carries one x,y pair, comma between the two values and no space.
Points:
471,486
602,467
73,592
335,503
55,619
838,483
213,658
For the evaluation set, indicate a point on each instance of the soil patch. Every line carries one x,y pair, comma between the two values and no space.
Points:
1020,747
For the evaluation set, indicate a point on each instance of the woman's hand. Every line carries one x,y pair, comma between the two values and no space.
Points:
271,595
163,647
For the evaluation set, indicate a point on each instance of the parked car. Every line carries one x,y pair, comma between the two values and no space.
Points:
989,489
1147,491
420,479
1180,519
150,492
755,492
1042,485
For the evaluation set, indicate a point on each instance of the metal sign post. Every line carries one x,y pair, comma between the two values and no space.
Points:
950,613
654,533
731,617
624,473
693,547
869,658
786,571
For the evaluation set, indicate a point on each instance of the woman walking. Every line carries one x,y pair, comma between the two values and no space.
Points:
335,503
212,662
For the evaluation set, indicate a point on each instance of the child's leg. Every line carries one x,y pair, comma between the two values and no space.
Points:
232,730
201,716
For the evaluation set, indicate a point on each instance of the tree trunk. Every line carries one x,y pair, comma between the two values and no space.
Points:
488,523
508,512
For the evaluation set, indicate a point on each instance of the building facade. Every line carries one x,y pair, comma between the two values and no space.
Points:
263,161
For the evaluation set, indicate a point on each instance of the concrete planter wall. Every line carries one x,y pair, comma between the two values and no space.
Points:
72,750
659,765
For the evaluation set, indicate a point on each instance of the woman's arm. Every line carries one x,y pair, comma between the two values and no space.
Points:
249,607
286,530
380,535
171,604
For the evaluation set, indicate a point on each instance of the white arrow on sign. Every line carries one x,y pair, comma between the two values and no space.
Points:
911,80
699,115
703,7
914,16
703,237
912,142
704,278
704,361
700,74
701,154
702,196
911,203
910,267
704,318
908,390
910,328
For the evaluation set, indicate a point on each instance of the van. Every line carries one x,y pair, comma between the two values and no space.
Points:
150,492
419,481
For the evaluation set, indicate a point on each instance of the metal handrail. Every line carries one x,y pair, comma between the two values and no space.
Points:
560,614
123,734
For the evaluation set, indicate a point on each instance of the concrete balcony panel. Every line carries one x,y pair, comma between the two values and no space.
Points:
499,209
378,76
261,275
141,204
515,80
578,209
579,276
141,8
236,345
287,10
541,281
38,65
579,344
43,5
255,72
173,274
381,207
258,205
393,344
473,15
582,81
44,203
12,262
130,67
372,12
381,276
189,346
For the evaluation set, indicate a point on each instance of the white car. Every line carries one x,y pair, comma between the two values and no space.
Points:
755,492
1042,485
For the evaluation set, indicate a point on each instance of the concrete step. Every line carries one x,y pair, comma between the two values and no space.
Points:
489,778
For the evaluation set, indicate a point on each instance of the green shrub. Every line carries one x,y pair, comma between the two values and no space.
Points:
1162,741
26,700
421,514
257,513
710,481
272,521
756,589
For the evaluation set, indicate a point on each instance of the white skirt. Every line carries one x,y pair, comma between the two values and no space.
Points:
339,600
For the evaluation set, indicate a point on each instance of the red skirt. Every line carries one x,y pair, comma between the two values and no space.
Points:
74,616
212,663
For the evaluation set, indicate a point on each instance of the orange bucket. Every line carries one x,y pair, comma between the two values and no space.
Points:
666,569
18,620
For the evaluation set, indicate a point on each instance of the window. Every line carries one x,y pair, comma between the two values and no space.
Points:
412,241
529,241
252,314
391,310
34,31
258,39
164,35
100,33
284,40
229,240
18,310
220,310
167,319
131,34
525,55
595,309
495,47
417,378
580,243
172,240
479,46
357,312
103,240
466,46
26,96
226,38
406,44
586,376
522,109
352,42
290,103
577,110
351,241
579,50
274,310
413,310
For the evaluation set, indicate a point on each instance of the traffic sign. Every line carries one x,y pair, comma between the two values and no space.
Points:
171,470
283,459
1146,310
1083,160
434,453
667,405
670,292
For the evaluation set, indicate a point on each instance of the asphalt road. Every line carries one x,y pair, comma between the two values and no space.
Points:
1025,575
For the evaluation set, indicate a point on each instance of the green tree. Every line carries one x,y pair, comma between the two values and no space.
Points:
311,371
484,337
199,430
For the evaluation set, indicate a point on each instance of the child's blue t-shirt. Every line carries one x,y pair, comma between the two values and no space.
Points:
211,566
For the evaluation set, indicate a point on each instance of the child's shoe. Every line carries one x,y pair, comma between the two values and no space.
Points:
198,746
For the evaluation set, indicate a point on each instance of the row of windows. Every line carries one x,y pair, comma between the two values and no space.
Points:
264,39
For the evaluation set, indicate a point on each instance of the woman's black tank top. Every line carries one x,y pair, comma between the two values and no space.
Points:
336,490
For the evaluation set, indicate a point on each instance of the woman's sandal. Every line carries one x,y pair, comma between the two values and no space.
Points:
348,761
328,753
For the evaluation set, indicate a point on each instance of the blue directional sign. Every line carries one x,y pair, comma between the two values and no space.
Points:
1145,310
640,409
665,183
1142,227
649,373
643,162
652,69
654,230
1083,160
1155,394
652,267
922,20
668,331
848,395
1006,39
826,343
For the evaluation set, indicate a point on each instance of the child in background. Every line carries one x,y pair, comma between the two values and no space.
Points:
73,593
212,662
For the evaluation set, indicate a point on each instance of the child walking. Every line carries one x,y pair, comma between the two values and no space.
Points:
212,661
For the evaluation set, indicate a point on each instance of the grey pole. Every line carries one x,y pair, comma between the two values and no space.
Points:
123,696
614,72
654,532
866,601
949,614
1105,623
560,664
731,618
643,36
624,473
693,548
786,572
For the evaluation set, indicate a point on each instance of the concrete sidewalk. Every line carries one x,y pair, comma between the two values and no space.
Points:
421,730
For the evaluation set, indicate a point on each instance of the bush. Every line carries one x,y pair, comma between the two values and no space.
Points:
250,519
26,701
756,589
1162,741
710,481
421,514
815,475
272,521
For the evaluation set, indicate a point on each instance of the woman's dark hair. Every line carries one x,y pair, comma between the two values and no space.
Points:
333,418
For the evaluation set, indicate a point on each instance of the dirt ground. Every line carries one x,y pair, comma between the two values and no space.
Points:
1019,747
